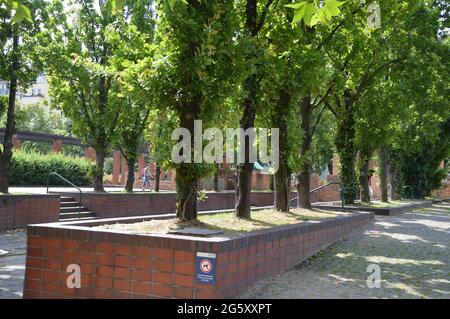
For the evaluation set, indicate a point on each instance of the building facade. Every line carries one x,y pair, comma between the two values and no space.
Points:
37,92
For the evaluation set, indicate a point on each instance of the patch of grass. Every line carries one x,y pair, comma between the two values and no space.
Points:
228,222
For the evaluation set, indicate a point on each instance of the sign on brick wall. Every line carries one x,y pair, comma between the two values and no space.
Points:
205,268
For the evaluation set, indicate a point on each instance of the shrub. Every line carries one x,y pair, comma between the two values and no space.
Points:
32,168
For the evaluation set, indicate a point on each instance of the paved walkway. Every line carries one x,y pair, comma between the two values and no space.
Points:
12,264
411,249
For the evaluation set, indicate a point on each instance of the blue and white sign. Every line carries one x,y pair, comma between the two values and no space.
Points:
205,268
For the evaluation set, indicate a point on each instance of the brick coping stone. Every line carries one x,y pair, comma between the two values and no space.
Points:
124,265
383,211
16,195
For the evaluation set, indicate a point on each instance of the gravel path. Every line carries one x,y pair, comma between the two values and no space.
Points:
411,249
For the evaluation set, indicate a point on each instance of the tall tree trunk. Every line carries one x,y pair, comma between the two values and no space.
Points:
345,144
384,163
186,178
101,141
303,184
157,177
364,178
216,178
130,178
281,194
186,193
6,153
99,169
280,120
244,170
393,181
250,87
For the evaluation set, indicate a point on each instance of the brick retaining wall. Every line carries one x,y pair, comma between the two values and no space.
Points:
443,191
17,211
118,265
106,205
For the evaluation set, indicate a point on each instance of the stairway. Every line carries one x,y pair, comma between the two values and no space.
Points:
69,209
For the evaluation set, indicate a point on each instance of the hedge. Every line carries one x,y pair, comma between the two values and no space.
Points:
32,169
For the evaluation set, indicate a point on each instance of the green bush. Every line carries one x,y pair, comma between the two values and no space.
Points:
32,168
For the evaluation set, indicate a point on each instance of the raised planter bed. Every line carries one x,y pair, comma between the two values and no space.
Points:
121,265
384,211
19,210
440,200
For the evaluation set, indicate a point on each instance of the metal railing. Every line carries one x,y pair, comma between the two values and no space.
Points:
326,185
71,184
404,192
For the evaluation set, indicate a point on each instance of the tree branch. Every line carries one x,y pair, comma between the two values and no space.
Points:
319,117
367,78
263,15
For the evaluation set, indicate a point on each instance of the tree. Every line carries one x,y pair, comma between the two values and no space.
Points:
160,126
387,107
254,48
18,64
372,54
21,11
132,43
277,93
189,77
78,59
38,117
422,139
315,78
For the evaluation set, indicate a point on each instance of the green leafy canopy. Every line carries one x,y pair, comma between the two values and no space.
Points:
21,11
312,12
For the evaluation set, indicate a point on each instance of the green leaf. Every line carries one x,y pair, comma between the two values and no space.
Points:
303,10
118,5
297,5
22,13
331,8
297,17
171,4
114,6
310,10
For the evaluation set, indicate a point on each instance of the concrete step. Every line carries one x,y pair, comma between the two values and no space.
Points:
72,209
73,215
66,199
77,219
69,204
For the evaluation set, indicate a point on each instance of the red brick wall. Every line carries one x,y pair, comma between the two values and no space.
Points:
117,265
260,182
17,211
444,191
120,205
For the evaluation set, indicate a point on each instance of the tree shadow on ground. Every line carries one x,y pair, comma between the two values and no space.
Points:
411,251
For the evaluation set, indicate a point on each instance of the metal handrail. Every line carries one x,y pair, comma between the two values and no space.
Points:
71,184
411,192
326,185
